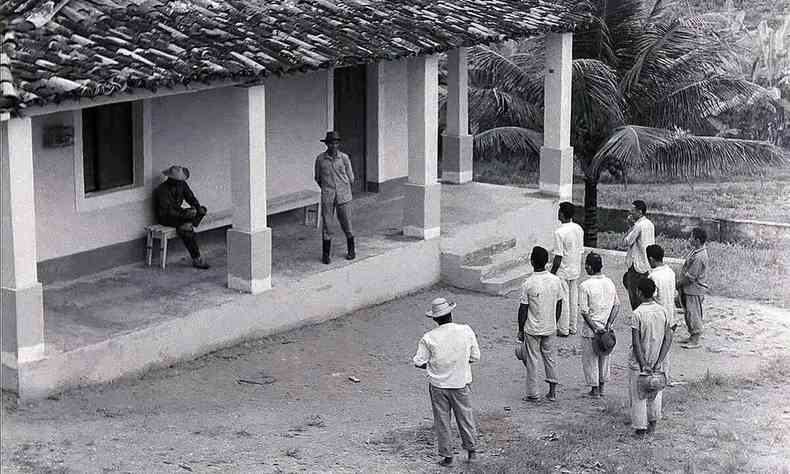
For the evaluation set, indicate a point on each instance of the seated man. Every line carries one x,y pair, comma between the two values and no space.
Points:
168,199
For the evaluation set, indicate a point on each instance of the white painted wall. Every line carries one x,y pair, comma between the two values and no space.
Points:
387,126
195,130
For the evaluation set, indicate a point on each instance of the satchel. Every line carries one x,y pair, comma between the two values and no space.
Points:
603,343
648,385
521,350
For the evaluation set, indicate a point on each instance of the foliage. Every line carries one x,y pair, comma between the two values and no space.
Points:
647,82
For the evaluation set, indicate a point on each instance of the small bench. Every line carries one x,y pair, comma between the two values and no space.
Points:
307,199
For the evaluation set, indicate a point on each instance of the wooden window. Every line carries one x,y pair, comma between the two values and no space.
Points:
108,147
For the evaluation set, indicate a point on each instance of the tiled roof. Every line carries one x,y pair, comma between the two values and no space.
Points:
69,49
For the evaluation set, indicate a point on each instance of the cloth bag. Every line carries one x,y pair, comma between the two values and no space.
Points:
603,343
649,384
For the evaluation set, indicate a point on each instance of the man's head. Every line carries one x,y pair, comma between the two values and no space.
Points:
332,141
539,258
645,289
177,173
638,209
698,237
655,255
565,214
441,311
593,263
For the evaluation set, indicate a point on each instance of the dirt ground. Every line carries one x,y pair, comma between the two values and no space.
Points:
288,404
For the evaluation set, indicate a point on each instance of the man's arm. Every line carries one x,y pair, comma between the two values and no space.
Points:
559,309
522,318
613,315
555,264
632,235
349,169
190,198
317,176
637,348
559,252
422,356
474,350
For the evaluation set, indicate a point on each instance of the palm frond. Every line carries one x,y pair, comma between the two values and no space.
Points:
493,106
510,141
488,67
663,152
596,99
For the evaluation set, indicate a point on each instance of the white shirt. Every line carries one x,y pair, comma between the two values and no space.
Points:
541,291
569,244
664,278
597,297
448,349
641,234
650,320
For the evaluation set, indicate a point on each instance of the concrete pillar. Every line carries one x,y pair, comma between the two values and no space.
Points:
387,147
556,155
422,192
250,240
22,305
457,149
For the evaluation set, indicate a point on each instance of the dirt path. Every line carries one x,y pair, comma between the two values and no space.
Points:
302,413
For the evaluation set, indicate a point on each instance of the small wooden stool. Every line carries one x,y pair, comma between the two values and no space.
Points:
163,233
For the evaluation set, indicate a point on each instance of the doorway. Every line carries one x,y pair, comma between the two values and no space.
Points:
350,119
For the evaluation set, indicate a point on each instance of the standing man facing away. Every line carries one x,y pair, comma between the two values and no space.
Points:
568,250
664,278
599,306
693,286
169,198
639,236
538,312
334,175
651,340
446,352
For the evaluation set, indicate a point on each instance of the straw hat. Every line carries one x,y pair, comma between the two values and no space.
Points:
331,136
178,173
439,308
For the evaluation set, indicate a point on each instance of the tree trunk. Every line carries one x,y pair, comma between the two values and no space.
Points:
590,211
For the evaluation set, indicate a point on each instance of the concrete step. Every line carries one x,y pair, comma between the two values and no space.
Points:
485,251
508,280
501,262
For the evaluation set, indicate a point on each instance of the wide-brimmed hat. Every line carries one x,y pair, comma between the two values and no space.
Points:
179,173
331,136
439,308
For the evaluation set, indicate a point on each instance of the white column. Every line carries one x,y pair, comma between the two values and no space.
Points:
22,295
422,192
457,149
250,240
556,155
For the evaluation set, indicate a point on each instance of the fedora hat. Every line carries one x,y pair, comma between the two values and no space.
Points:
439,308
178,173
331,136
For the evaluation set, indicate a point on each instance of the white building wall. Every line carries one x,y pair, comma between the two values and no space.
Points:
195,130
387,126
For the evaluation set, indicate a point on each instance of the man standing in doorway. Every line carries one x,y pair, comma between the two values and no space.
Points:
568,249
639,236
334,175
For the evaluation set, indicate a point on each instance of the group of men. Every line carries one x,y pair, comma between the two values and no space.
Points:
175,204
553,304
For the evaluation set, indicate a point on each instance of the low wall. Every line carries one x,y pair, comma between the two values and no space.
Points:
322,296
677,225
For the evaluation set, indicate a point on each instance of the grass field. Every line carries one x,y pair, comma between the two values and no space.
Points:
739,197
750,272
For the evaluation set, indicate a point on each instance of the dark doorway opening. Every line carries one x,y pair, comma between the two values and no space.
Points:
350,119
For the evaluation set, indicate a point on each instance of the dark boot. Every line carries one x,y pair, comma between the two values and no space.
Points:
327,250
352,253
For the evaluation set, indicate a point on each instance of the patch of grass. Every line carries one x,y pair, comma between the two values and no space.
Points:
751,271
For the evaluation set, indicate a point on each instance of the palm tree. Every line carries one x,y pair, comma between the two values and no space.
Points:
647,84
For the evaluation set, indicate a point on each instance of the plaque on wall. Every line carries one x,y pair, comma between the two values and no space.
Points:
58,136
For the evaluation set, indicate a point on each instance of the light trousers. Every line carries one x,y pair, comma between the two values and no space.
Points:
457,401
570,307
596,367
642,410
539,347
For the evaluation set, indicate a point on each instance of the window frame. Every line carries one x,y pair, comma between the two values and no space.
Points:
142,185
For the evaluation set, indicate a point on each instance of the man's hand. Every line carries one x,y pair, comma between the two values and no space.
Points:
190,213
599,330
520,336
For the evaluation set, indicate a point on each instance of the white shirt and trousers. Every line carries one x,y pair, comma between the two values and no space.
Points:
650,320
664,278
641,234
448,350
597,297
569,244
541,292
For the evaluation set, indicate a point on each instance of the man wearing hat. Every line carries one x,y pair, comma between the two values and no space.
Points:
445,352
334,175
168,199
